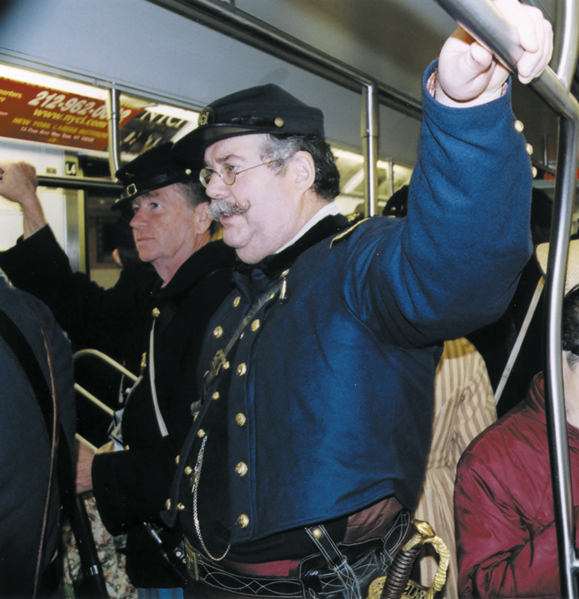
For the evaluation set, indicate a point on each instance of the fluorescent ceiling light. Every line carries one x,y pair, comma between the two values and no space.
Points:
350,156
52,82
354,181
172,111
357,158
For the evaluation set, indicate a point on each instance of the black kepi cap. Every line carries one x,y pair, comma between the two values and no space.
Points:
262,109
152,170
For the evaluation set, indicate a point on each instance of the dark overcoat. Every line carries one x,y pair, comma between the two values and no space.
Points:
131,486
25,445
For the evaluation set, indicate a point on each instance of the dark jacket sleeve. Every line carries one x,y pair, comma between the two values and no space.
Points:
110,320
128,490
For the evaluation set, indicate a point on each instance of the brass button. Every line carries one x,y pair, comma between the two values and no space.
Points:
278,122
243,521
127,448
241,468
188,470
177,460
217,332
226,365
534,171
241,369
529,149
180,507
236,301
317,533
519,127
168,504
240,419
201,433
255,325
156,312
215,395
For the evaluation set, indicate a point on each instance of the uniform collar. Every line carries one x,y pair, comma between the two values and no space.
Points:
210,257
331,209
259,276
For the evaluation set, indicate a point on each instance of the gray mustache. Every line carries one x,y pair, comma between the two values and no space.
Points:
219,208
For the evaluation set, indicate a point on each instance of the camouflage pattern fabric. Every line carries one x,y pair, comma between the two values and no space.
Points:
111,555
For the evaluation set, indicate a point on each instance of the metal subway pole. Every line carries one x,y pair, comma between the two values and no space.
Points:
557,421
567,34
487,24
113,116
370,135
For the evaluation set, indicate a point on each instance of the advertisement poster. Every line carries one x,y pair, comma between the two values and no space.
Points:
39,114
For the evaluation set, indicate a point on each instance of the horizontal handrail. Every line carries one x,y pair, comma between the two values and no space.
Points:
93,399
98,354
83,353
78,182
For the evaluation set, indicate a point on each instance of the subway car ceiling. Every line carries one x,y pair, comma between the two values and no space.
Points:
149,49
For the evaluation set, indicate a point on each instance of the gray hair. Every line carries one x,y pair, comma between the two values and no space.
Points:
279,150
194,194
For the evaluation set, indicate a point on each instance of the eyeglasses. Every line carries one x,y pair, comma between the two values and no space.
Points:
226,171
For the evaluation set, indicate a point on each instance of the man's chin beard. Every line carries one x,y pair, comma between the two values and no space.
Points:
220,208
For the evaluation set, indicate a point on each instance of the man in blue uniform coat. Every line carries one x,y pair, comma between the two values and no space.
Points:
318,370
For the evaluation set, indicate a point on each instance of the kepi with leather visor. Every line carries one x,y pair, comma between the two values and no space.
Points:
262,109
152,170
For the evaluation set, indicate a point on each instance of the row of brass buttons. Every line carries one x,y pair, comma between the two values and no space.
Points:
241,469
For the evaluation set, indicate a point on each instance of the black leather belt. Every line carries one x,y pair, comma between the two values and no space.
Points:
213,574
317,579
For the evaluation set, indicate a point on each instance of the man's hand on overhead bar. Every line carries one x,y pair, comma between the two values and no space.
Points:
468,74
18,184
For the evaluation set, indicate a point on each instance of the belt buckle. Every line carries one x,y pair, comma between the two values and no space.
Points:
192,565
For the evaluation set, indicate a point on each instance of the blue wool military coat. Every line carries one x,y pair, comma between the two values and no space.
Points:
324,406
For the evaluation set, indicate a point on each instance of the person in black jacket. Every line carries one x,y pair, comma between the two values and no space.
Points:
26,444
171,228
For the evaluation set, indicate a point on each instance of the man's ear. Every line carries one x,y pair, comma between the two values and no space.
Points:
203,220
304,169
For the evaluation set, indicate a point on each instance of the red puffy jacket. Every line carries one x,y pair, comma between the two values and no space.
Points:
505,530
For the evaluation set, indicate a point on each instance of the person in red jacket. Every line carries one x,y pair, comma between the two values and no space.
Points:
505,526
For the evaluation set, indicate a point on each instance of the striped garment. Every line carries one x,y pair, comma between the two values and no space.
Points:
464,405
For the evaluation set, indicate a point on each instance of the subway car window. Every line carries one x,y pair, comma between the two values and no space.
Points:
43,116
